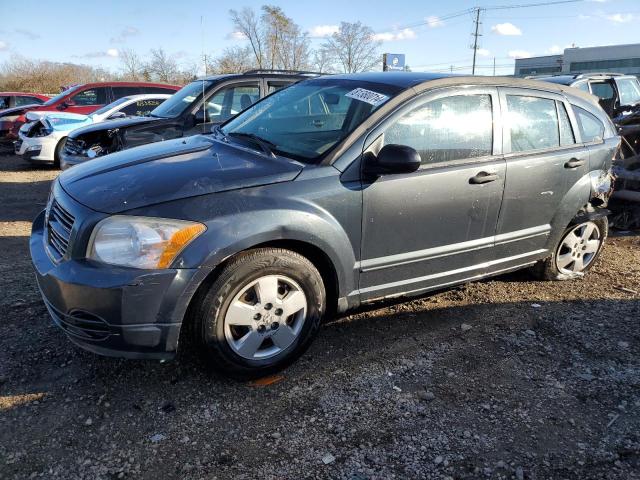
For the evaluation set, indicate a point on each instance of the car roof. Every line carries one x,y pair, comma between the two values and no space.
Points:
299,75
397,79
143,96
125,84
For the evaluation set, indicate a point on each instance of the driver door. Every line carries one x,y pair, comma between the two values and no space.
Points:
435,226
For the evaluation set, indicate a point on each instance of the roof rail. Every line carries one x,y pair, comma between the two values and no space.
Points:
597,74
269,70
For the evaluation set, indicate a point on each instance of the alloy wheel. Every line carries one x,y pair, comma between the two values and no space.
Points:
578,248
265,317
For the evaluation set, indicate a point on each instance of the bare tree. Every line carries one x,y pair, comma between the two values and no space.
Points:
131,64
353,47
233,60
162,66
322,61
25,75
247,23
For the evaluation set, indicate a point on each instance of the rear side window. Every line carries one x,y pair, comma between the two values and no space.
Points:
119,92
4,102
603,90
141,108
449,128
591,129
566,131
533,122
93,96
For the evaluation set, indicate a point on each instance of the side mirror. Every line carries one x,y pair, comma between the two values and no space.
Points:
115,115
393,159
200,117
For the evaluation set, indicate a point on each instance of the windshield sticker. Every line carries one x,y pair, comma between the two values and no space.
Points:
364,95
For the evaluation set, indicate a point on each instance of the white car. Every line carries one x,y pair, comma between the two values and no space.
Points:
43,136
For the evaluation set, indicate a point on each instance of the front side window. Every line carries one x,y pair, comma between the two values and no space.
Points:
182,99
584,86
450,128
22,101
307,120
228,102
275,86
61,95
629,90
4,102
591,129
92,96
533,122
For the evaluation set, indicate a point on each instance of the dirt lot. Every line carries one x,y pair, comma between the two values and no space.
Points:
507,378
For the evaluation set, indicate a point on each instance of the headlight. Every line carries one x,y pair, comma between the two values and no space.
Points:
141,242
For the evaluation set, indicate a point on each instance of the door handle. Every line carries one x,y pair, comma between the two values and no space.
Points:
574,163
483,177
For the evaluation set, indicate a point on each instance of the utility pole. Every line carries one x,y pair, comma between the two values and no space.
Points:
476,35
494,66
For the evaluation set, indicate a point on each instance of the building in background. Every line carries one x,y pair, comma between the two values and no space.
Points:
613,58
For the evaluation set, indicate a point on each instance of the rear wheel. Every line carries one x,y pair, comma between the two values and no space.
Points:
261,313
576,252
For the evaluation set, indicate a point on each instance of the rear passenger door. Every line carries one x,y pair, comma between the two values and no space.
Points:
544,161
434,226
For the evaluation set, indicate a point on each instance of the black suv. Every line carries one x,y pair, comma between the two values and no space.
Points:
332,193
183,115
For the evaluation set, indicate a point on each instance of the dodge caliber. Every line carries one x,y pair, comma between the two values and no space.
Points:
331,194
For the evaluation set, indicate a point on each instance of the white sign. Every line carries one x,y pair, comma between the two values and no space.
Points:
364,95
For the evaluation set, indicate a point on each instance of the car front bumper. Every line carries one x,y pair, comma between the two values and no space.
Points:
36,149
111,310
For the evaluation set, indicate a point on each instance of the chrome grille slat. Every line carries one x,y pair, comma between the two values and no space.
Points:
59,226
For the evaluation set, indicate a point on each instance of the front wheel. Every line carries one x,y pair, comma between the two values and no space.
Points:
261,313
576,252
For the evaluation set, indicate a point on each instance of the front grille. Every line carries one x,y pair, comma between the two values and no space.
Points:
73,146
59,225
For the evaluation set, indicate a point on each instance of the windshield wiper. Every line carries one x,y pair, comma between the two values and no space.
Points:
265,145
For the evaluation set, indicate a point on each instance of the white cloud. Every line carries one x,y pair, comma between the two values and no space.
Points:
236,36
112,52
483,52
3,46
320,31
404,34
434,22
519,54
506,29
27,33
620,17
124,34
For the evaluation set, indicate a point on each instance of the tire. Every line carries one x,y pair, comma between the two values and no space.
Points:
57,151
261,313
580,260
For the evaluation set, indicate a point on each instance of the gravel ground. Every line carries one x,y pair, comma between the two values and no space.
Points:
507,378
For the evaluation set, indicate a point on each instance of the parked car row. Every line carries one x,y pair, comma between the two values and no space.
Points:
82,99
331,194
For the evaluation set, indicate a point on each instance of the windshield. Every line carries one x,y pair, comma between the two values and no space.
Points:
181,100
61,95
629,89
307,120
106,108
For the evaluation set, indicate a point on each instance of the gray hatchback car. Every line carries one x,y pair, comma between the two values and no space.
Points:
327,195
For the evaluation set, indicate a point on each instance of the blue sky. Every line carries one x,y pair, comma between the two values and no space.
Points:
93,32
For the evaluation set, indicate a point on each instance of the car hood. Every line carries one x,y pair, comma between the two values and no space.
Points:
64,121
118,123
171,170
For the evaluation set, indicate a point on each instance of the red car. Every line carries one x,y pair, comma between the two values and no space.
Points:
83,99
20,99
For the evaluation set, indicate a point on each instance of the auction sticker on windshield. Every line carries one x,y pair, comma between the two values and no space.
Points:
364,95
